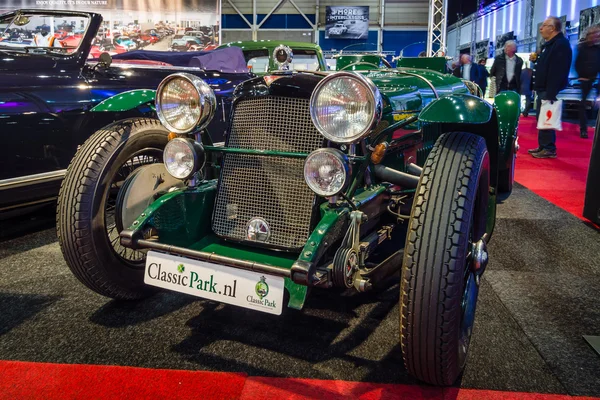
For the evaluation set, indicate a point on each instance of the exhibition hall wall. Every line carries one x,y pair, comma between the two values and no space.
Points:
512,18
404,23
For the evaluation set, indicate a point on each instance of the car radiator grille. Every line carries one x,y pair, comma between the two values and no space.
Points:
267,187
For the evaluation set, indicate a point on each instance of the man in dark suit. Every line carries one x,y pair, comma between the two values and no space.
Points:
551,76
483,75
507,69
467,70
527,88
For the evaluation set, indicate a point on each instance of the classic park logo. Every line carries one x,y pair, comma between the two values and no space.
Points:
212,287
262,290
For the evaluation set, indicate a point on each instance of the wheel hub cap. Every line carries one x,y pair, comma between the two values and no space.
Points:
479,257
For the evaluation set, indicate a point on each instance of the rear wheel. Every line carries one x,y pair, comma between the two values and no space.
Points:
87,220
444,256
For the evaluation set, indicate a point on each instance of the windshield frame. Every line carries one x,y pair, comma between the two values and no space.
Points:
79,53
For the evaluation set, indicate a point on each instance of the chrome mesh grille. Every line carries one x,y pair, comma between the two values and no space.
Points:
267,187
274,123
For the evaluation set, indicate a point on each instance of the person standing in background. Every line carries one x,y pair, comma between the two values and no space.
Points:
587,66
551,76
483,75
467,70
507,68
526,88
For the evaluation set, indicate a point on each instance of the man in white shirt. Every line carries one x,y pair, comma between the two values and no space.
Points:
507,68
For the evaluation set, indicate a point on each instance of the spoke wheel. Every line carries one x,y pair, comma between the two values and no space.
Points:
88,223
112,222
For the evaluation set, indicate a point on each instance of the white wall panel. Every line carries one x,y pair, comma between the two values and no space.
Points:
407,13
451,43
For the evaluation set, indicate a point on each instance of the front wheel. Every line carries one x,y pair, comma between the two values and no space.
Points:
87,219
506,177
444,256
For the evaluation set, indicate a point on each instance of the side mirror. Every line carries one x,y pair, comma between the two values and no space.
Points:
105,60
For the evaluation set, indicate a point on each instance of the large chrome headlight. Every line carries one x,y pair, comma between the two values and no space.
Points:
185,103
183,157
326,171
345,107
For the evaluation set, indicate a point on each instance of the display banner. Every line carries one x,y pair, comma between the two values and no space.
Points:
502,39
588,17
162,25
346,22
482,50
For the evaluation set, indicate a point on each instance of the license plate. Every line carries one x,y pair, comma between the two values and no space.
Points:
254,290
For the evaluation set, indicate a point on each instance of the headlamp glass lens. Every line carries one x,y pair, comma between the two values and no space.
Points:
325,172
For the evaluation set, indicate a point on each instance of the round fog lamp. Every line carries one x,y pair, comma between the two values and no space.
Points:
326,171
183,157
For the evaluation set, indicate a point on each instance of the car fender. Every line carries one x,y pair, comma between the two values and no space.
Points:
126,101
457,109
468,113
508,107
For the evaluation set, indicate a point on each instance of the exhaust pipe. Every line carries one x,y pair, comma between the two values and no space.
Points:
414,169
396,177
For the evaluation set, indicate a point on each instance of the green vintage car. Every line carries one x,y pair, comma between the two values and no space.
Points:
326,179
263,56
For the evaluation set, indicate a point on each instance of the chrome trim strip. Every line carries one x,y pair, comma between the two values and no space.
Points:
22,180
125,65
30,204
210,257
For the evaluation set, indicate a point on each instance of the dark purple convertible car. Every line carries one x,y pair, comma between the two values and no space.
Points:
53,97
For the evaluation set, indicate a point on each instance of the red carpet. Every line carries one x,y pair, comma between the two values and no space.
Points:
561,180
25,380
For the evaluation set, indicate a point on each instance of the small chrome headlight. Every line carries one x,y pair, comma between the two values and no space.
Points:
183,157
185,103
345,107
326,171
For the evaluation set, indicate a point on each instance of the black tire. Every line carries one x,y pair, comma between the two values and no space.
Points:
86,224
506,177
449,213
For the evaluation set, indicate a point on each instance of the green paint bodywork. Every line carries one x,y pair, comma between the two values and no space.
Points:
183,218
508,108
270,45
458,109
180,217
431,63
360,62
126,101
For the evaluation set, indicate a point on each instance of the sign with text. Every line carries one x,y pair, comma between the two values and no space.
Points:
180,25
346,22
248,289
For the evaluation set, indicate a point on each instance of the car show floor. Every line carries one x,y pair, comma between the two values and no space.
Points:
538,297
562,180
